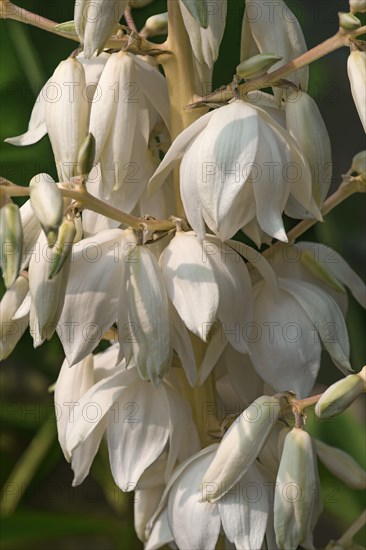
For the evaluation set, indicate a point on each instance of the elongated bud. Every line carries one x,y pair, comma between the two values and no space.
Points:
306,125
96,21
11,239
86,155
63,246
348,21
320,271
357,6
257,65
156,25
295,491
48,205
356,67
339,396
14,315
68,27
240,447
341,464
13,299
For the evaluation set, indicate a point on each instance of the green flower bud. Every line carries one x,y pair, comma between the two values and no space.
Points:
63,247
257,65
86,155
357,6
11,239
348,21
339,396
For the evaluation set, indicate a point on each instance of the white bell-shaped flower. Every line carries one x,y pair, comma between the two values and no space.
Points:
356,67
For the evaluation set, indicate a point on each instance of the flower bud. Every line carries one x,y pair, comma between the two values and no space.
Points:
11,239
357,6
348,21
156,25
67,27
63,247
240,447
48,205
341,464
14,315
96,21
295,491
356,67
86,155
339,396
257,65
359,163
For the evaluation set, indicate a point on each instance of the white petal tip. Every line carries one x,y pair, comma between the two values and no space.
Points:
280,235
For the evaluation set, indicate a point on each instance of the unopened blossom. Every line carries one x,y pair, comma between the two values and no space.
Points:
296,504
47,204
272,28
205,24
99,396
96,21
184,518
340,395
356,67
11,242
237,167
240,447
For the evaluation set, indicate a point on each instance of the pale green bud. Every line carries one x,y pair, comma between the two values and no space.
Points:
348,21
157,25
68,27
341,464
11,239
339,396
257,65
296,492
86,155
63,246
359,165
357,6
48,205
240,447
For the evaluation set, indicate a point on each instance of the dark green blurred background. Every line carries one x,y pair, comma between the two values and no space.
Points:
96,515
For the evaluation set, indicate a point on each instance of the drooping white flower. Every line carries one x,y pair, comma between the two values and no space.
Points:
205,40
288,333
206,282
143,321
356,67
95,22
14,315
271,27
240,166
139,420
182,517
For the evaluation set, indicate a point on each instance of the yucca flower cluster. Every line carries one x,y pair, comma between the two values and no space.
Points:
165,236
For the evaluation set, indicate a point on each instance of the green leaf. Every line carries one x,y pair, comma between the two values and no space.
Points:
198,10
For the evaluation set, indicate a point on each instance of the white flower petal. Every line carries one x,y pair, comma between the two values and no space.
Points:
91,302
212,355
83,456
190,283
177,150
137,431
285,351
236,298
338,267
183,345
244,511
160,534
356,68
326,317
92,407
244,379
195,525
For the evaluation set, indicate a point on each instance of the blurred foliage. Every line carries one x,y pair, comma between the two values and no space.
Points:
96,515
